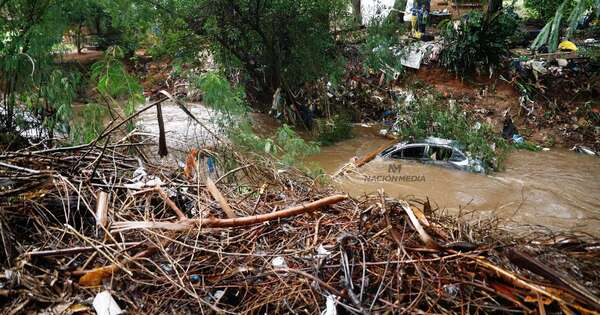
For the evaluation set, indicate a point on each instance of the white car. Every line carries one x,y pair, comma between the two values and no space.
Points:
434,151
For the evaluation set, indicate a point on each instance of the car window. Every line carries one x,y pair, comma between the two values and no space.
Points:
439,153
413,152
457,156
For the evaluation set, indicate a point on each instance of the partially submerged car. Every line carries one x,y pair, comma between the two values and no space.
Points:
436,151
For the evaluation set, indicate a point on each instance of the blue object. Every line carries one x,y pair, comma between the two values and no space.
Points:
210,163
194,278
518,139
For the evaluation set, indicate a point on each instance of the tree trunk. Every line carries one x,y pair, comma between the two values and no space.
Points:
494,6
356,10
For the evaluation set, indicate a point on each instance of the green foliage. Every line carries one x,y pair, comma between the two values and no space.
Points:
90,125
427,116
229,102
333,129
479,41
526,145
33,84
59,93
274,43
111,77
382,47
285,145
220,95
575,10
115,84
29,32
544,9
293,148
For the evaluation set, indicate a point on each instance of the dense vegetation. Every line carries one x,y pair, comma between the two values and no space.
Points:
284,57
479,41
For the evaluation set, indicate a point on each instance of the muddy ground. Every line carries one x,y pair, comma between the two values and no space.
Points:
560,118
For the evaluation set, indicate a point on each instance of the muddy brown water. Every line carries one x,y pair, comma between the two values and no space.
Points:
557,190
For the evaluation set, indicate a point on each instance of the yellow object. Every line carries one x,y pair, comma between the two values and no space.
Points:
567,45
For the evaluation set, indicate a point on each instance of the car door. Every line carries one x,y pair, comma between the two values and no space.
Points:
438,155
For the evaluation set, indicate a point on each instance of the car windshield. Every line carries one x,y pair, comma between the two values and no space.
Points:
388,150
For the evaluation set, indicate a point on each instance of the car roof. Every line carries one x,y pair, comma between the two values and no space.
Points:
430,141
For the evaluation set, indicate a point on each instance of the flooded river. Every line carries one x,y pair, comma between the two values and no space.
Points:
558,189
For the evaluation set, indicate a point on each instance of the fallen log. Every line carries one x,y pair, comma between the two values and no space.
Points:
231,222
373,154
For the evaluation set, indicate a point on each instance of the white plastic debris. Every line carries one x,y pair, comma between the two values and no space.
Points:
219,294
330,308
279,263
322,252
139,174
104,304
150,181
562,62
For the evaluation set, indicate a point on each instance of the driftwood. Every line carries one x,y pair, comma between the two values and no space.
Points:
523,260
373,254
232,222
214,191
102,210
373,154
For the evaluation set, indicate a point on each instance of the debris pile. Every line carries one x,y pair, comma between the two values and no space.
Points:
90,228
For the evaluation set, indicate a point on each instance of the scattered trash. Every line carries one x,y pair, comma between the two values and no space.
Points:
322,252
451,289
584,150
419,52
567,45
562,62
330,308
518,139
279,263
104,304
218,294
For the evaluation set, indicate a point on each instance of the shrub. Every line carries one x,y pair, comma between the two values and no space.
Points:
478,41
427,116
381,49
545,9
334,129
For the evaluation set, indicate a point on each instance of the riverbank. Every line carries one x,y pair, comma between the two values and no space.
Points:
247,235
